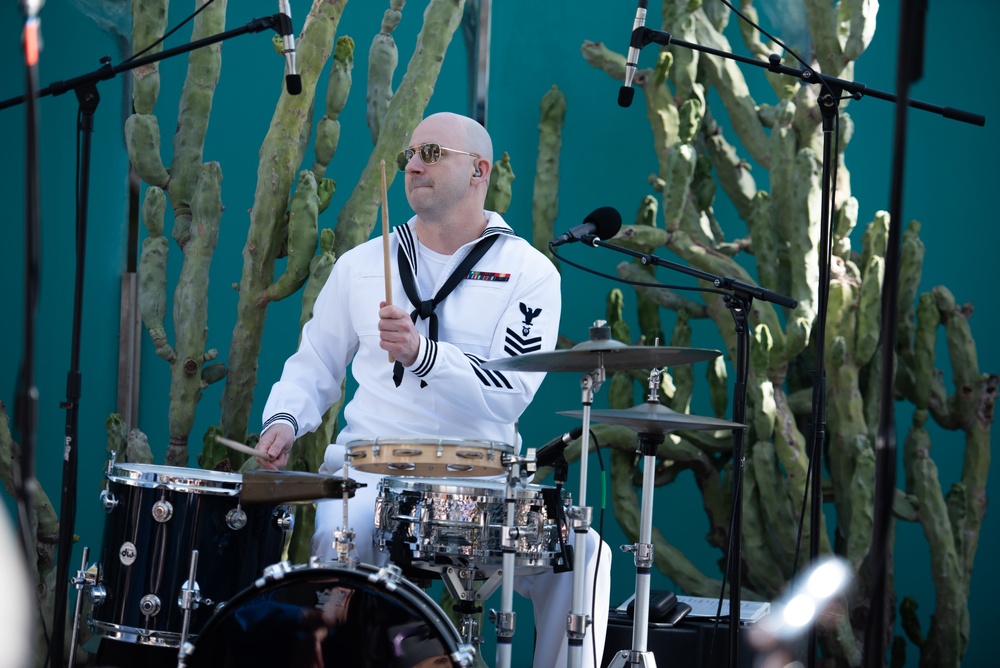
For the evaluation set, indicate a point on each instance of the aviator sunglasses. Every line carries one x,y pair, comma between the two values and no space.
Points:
429,153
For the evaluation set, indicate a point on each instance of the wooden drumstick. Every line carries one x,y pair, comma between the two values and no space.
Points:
245,449
385,245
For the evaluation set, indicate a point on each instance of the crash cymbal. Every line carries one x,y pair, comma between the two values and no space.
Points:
654,418
608,354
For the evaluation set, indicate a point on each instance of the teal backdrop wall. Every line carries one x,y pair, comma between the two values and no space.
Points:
951,185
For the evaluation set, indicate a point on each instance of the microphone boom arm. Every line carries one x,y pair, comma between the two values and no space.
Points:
643,36
724,282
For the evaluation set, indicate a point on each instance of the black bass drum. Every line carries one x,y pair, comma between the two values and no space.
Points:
329,615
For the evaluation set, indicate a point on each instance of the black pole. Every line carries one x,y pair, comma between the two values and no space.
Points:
89,99
909,67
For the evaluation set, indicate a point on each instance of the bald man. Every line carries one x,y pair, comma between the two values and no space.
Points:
505,301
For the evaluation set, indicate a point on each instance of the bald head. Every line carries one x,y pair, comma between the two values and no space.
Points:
462,131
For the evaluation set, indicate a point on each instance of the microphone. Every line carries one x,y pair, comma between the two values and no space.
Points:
551,451
626,92
602,223
293,82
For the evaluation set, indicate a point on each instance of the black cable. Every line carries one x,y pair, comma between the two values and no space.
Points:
619,279
169,32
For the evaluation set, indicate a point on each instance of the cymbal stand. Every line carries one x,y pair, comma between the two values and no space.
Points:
518,470
343,539
643,550
579,517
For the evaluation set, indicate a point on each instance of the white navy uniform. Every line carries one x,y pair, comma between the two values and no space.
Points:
507,305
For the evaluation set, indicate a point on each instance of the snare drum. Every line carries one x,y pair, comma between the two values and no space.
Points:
444,521
428,457
327,614
156,516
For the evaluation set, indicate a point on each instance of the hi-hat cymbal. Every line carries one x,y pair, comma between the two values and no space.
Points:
654,418
608,354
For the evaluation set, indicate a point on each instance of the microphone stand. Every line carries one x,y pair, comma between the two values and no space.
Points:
828,106
85,88
738,303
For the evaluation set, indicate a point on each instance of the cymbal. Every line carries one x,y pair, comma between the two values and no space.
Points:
654,418
608,354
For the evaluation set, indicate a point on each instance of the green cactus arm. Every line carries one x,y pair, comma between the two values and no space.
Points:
946,564
911,265
730,171
845,219
962,354
357,217
319,270
383,57
303,234
777,509
924,341
680,167
761,397
873,240
869,312
142,140
727,78
666,298
152,273
149,21
600,57
191,311
861,493
697,255
976,467
195,107
280,157
117,436
137,448
545,196
683,374
499,193
765,572
801,230
338,88
44,522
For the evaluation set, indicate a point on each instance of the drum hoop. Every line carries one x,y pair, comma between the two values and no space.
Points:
390,441
448,486
176,479
363,576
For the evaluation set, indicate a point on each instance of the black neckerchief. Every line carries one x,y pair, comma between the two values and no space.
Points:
425,307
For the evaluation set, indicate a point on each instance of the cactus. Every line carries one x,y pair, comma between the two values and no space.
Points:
382,60
545,196
784,138
498,195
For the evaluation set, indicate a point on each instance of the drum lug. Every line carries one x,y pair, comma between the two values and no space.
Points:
190,597
150,605
236,519
108,501
97,594
276,571
284,520
391,575
162,511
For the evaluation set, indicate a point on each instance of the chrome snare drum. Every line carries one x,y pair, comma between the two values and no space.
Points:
157,515
325,614
428,457
434,522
